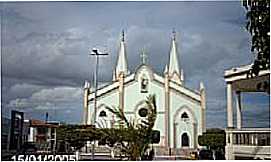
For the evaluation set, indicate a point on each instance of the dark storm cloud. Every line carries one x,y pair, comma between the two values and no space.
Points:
46,45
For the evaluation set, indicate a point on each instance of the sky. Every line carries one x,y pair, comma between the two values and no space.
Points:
45,50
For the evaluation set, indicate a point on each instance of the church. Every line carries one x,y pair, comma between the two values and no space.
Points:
180,110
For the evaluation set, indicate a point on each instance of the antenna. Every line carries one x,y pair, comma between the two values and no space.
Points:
46,117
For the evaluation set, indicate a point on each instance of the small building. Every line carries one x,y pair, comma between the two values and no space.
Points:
17,133
43,134
245,143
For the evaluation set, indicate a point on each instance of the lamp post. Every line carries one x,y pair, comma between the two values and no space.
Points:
95,52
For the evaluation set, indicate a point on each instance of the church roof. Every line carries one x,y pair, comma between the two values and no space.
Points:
156,78
172,69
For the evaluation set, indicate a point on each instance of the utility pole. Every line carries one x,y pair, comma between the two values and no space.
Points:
95,52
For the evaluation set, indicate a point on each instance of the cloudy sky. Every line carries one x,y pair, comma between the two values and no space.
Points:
45,48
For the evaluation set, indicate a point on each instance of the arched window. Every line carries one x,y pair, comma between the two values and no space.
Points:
144,84
102,114
185,140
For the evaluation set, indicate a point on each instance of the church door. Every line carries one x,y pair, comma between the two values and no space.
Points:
185,140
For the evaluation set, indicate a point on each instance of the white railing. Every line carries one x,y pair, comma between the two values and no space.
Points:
248,143
250,136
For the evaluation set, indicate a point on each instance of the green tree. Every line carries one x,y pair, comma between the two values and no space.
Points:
137,137
133,139
214,139
258,25
75,135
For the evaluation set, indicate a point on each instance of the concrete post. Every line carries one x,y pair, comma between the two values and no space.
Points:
121,91
203,107
167,133
85,105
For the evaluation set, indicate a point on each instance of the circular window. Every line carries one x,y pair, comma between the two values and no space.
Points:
102,114
143,112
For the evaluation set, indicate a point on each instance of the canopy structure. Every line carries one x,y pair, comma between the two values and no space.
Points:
241,142
241,81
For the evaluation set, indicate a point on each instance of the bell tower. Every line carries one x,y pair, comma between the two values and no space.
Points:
173,68
122,65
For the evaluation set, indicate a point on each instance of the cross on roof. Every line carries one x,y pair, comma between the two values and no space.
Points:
122,35
143,56
174,34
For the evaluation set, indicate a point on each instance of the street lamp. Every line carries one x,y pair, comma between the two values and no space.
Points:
95,52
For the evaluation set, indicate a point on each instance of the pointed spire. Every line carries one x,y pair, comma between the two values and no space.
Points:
87,84
114,75
122,65
166,69
201,86
173,58
182,75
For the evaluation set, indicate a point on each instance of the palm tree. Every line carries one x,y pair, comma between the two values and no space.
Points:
133,137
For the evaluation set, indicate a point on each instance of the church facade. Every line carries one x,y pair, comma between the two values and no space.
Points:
180,110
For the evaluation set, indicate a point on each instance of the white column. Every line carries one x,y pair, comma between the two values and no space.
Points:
48,138
231,138
242,138
203,107
229,105
89,116
55,139
31,135
238,110
174,135
121,91
167,108
252,139
256,139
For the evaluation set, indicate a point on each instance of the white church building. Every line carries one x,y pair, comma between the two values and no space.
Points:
180,110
